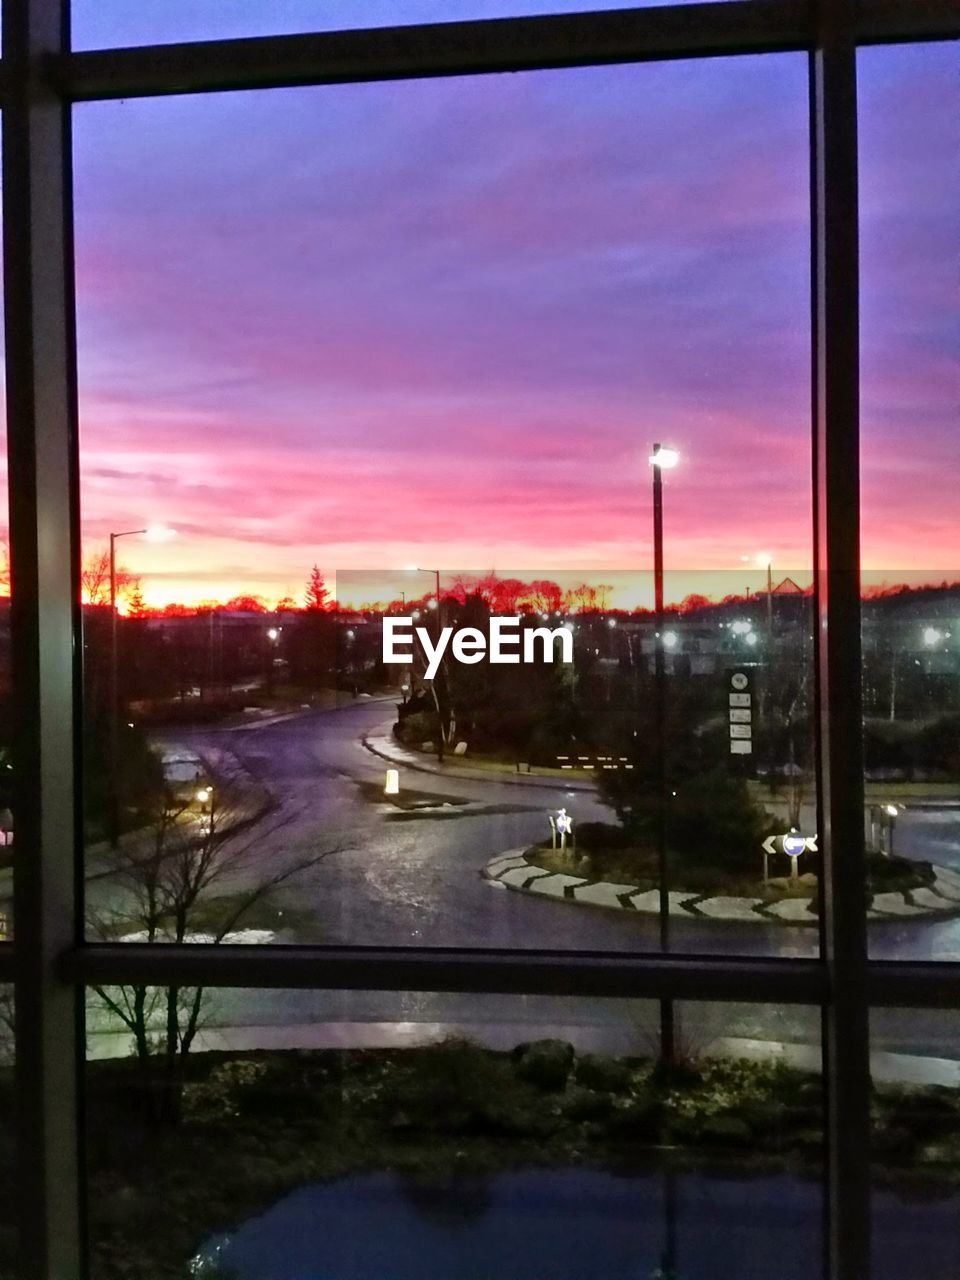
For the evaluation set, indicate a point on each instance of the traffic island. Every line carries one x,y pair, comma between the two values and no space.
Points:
518,869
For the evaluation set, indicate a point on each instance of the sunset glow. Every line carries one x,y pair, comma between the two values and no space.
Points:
444,321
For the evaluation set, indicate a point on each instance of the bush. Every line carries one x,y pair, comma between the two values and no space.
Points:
715,816
422,726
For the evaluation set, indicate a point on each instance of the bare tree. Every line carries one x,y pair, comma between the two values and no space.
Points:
193,875
95,578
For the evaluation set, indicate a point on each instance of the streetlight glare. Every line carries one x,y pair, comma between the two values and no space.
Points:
670,639
932,636
159,533
664,458
751,638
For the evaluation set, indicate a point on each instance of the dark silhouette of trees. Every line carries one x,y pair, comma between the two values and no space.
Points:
316,595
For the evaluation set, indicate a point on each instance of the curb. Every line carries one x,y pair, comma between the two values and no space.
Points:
385,746
513,871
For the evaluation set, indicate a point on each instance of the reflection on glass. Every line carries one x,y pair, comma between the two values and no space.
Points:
6,678
915,1062
911,665
8,1197
424,349
909,103
360,1134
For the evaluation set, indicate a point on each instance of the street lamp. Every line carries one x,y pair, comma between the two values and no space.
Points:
765,558
436,574
661,460
153,533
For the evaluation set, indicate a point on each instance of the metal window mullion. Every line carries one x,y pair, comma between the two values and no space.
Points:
41,416
425,969
440,49
839,696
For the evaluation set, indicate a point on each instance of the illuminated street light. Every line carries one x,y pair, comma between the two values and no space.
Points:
670,639
203,795
153,533
932,636
751,638
157,533
273,633
663,459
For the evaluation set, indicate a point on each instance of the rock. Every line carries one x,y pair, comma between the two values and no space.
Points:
544,1063
808,880
608,1075
937,1153
460,749
641,1121
584,1104
891,1140
728,1131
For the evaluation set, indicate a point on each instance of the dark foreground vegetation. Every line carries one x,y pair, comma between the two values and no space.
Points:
254,1126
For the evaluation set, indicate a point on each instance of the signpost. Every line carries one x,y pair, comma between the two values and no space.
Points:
564,826
740,713
793,845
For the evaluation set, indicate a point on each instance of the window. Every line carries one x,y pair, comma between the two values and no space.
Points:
442,355
150,203
911,672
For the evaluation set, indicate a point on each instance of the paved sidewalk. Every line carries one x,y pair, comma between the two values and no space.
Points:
381,742
514,870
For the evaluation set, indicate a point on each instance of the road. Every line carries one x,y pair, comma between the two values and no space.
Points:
412,879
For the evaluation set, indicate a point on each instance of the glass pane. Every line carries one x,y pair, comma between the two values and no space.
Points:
910,202
6,673
8,1183
419,1136
101,24
916,1144
320,363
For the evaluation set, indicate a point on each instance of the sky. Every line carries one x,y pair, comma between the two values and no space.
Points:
443,322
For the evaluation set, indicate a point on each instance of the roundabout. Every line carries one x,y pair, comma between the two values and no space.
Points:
515,870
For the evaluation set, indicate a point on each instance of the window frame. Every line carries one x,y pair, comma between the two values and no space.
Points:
50,959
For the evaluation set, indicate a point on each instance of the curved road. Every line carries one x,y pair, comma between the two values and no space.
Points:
404,878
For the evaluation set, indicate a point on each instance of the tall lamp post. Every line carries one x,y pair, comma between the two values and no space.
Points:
155,533
436,574
764,558
661,460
